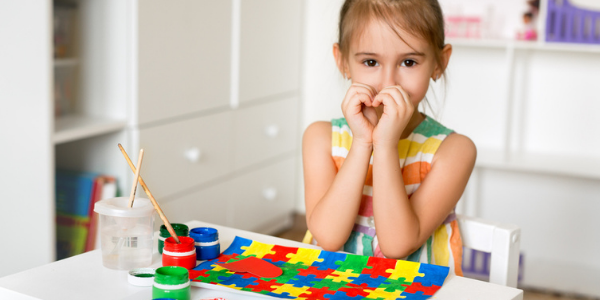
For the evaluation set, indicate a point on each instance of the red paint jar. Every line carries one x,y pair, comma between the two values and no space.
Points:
181,255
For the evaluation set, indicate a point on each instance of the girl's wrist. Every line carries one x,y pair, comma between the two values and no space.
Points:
385,148
362,146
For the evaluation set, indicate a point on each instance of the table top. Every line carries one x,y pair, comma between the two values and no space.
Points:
83,277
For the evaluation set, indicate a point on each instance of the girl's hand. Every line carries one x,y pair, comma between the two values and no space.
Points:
359,112
397,111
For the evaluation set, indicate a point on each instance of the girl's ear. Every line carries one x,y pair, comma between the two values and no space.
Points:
339,60
439,70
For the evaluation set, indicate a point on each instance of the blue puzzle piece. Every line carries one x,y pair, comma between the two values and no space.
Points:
329,260
277,263
237,280
370,281
436,275
339,295
302,281
417,296
236,246
285,295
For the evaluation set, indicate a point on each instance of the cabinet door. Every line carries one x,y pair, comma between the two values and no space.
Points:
263,200
207,205
265,131
269,48
184,60
185,154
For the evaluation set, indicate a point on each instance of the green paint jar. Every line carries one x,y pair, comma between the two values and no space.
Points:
171,282
180,230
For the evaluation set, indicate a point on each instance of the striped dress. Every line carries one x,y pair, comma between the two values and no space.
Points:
416,152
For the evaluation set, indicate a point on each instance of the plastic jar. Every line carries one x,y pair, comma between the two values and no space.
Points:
207,242
182,255
171,282
180,230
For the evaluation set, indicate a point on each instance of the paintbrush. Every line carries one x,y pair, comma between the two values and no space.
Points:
154,203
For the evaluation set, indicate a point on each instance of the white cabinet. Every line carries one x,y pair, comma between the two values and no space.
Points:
164,76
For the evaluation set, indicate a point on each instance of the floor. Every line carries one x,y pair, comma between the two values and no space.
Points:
297,231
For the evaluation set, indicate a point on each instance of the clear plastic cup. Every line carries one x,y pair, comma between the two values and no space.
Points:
126,234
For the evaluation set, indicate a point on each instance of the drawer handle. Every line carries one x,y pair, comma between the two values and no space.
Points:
270,194
272,131
193,155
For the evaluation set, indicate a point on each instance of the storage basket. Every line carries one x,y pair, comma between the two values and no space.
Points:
568,23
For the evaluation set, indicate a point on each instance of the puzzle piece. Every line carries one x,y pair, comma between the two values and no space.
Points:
417,287
314,293
407,269
353,290
237,243
260,285
390,285
280,254
340,295
211,276
235,281
257,249
379,266
305,256
346,276
300,281
436,275
381,293
368,280
290,289
328,282
418,296
353,262
329,260
321,274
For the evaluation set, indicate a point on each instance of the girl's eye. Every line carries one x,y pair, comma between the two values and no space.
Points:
408,63
371,63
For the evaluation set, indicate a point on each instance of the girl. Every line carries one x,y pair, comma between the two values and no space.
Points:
384,180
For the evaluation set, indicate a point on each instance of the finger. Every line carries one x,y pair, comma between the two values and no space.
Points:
399,89
371,89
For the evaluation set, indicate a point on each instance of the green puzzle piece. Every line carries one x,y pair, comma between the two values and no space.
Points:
399,284
332,285
355,263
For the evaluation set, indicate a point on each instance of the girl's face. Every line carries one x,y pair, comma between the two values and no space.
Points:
380,59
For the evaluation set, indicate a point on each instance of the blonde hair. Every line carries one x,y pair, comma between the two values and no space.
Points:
421,18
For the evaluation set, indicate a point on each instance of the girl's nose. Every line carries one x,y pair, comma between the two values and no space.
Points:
389,79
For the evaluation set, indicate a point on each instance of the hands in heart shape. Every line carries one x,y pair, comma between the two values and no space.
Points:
359,110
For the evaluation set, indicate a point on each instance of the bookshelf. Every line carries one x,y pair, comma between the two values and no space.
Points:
77,127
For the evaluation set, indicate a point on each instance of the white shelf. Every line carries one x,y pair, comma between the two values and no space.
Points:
65,62
76,127
562,165
525,45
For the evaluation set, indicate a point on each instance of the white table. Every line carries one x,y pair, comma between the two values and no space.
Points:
84,277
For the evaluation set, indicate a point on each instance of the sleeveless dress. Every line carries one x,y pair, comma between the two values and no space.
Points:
416,152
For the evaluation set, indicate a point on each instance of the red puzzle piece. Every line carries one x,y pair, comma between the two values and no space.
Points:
380,266
316,293
353,290
254,265
322,274
417,286
262,285
280,253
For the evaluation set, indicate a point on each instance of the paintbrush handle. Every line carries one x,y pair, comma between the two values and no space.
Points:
147,190
136,178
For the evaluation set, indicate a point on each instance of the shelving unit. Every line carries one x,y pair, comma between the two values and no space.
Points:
77,127
532,110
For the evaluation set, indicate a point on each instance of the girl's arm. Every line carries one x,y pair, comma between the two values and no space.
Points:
332,197
404,225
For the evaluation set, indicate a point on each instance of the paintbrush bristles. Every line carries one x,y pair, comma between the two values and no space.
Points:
154,203
136,178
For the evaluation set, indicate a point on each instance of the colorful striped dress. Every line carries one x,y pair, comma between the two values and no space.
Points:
416,152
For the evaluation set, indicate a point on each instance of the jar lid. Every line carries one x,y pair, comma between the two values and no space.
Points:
141,276
118,207
172,275
204,234
180,230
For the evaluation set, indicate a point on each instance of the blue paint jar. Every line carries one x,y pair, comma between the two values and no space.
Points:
207,242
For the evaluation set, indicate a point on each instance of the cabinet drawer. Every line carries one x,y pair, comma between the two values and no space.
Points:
263,196
264,131
208,205
184,57
184,154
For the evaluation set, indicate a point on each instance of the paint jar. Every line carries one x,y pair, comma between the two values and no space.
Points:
180,230
182,255
126,233
207,242
171,282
